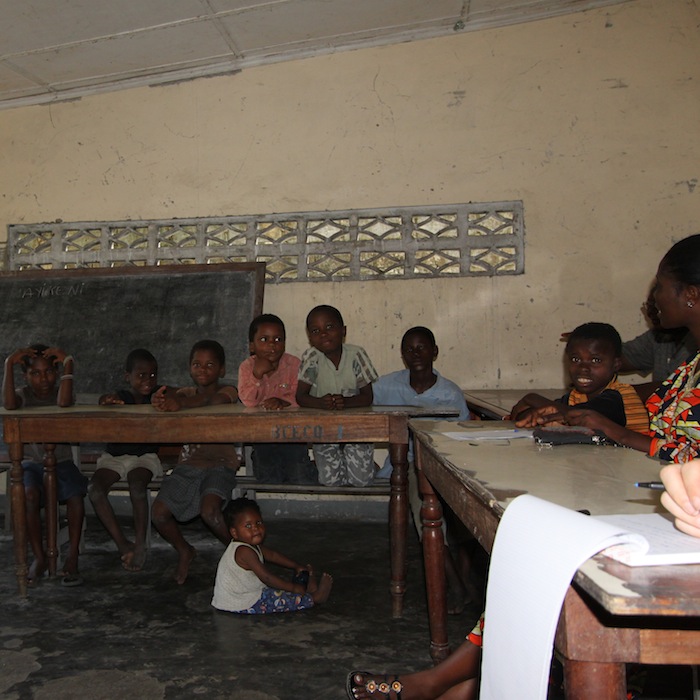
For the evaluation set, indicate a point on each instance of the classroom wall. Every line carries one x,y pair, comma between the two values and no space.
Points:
592,119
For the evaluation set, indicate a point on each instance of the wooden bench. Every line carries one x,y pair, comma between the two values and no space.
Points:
246,485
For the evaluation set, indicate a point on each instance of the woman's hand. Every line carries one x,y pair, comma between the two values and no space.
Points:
682,495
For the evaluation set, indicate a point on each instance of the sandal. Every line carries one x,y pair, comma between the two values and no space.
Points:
72,580
384,687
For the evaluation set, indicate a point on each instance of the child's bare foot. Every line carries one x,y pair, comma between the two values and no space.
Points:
70,576
36,571
134,559
70,567
323,590
183,564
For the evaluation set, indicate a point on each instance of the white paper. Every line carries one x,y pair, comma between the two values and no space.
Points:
537,550
660,542
478,435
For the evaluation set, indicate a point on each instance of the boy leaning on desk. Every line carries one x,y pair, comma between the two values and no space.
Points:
593,358
205,475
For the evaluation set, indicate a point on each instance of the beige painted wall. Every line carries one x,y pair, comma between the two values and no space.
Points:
591,119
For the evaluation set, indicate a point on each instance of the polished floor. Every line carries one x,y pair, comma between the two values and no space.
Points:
141,636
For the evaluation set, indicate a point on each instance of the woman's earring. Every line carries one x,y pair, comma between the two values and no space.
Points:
690,304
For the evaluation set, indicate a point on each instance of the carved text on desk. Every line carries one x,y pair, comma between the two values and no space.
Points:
302,432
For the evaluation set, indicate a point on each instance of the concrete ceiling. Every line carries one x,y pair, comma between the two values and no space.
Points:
63,49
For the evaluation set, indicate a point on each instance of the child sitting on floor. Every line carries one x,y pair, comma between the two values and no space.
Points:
268,379
244,584
594,355
334,376
40,366
137,464
205,475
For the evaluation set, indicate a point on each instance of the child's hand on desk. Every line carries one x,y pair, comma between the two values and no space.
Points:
274,403
682,495
539,416
110,400
164,400
589,419
333,402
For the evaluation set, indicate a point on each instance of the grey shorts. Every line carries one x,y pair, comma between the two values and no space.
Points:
182,490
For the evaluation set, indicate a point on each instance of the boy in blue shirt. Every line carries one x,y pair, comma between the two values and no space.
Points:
421,385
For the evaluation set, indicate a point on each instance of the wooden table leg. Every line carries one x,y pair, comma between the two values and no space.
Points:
51,507
398,524
19,516
434,563
584,680
592,653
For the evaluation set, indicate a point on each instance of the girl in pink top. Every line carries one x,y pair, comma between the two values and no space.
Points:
268,379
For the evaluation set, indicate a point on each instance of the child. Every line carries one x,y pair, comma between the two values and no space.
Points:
205,475
138,464
594,355
421,385
269,379
40,365
334,376
245,585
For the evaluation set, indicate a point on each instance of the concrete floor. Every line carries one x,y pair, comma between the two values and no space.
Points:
141,636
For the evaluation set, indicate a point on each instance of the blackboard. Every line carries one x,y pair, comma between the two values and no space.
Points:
99,315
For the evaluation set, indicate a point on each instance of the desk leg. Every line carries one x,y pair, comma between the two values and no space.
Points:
398,524
19,516
434,562
584,643
51,507
584,680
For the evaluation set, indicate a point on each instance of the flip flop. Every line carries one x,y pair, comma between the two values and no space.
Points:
381,688
72,580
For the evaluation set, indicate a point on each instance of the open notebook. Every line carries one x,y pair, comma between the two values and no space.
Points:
654,541
538,548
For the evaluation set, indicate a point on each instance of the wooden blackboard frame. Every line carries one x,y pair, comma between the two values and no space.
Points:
99,314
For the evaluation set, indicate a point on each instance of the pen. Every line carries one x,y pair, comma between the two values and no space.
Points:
656,485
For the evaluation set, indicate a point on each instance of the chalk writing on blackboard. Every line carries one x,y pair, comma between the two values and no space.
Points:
52,290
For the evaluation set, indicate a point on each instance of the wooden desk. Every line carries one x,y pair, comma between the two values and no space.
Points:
218,424
495,403
612,614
